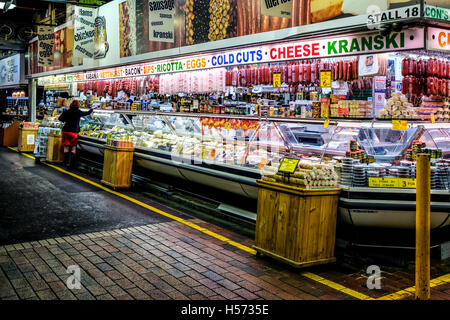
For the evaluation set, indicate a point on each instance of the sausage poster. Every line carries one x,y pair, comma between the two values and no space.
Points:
161,18
45,46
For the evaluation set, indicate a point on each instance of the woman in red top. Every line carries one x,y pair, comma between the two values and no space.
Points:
71,119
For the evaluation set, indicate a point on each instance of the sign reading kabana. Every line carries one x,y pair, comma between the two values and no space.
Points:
161,17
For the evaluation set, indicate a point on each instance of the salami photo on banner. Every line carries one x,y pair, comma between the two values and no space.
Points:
45,46
83,36
161,20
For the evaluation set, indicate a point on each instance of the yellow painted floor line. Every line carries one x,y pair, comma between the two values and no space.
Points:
336,286
394,296
411,290
142,204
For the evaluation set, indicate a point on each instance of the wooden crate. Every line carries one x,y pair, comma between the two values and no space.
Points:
10,135
296,226
27,139
55,148
117,165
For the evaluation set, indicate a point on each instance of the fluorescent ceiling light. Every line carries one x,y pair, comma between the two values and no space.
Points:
2,5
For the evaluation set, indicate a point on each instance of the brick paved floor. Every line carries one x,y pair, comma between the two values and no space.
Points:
154,258
167,261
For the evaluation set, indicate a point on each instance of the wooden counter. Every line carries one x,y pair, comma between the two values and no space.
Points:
296,226
117,166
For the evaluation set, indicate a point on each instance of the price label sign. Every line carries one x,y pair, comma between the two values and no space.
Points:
326,123
227,125
342,111
399,125
288,165
325,79
277,80
432,118
402,183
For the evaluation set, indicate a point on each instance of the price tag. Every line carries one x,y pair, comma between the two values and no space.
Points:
276,80
326,123
342,111
227,125
288,165
53,113
262,163
432,118
325,79
399,125
403,183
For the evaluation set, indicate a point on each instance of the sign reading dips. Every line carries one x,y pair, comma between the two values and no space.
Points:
161,16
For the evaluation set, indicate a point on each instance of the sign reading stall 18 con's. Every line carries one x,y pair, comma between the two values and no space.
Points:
330,47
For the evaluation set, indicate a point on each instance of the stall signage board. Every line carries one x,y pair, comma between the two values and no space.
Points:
438,39
399,125
288,165
11,71
375,18
436,13
357,44
403,183
325,79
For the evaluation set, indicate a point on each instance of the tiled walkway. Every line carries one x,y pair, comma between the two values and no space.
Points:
167,259
162,261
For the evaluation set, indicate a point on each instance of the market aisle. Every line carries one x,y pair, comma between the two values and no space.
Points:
38,202
157,259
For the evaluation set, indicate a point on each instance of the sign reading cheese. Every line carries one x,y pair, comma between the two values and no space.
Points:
438,39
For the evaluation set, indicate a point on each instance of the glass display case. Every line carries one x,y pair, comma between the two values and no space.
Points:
245,145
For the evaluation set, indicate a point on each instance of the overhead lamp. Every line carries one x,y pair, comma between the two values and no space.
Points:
7,5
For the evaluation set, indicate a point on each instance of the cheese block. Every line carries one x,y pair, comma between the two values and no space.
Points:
322,10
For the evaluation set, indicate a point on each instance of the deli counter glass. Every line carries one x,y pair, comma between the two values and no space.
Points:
229,153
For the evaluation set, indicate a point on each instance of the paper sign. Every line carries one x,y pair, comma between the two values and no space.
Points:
325,79
432,118
83,34
406,183
276,80
324,107
288,165
399,125
46,38
30,138
277,8
161,17
326,123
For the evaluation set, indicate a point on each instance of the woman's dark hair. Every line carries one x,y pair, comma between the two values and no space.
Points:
75,104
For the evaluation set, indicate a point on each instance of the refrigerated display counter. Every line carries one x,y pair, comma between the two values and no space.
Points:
229,152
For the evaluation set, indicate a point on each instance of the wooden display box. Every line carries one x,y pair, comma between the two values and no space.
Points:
10,135
117,165
296,226
27,139
55,148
